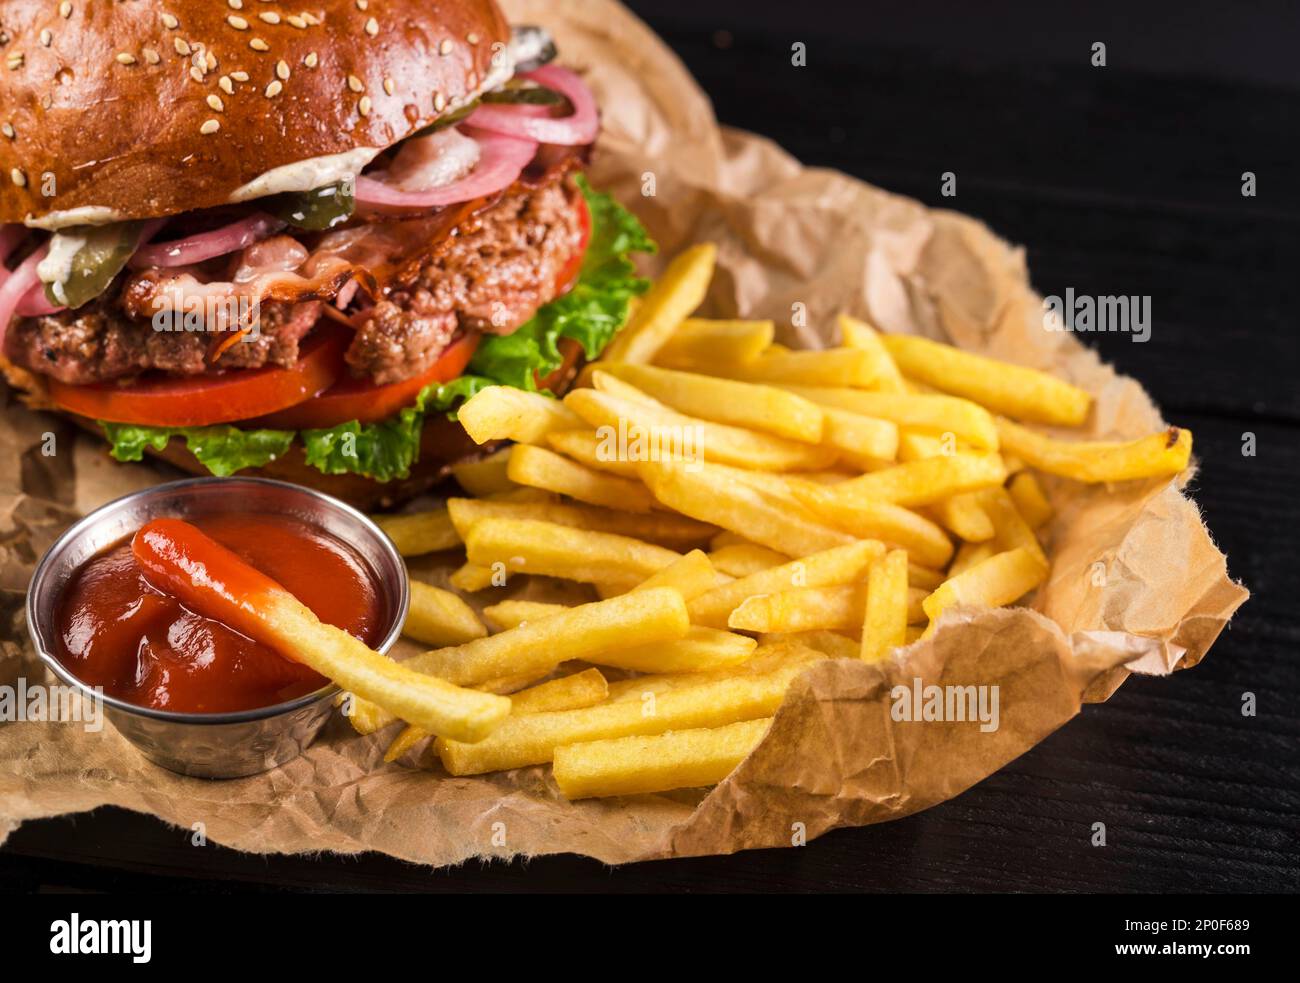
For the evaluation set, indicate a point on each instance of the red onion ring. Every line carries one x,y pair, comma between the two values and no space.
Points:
206,245
502,160
34,303
16,287
10,238
573,130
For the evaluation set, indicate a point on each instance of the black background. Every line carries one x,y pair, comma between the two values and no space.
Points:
1118,180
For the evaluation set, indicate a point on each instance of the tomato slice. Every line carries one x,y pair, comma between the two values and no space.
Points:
569,272
357,399
198,401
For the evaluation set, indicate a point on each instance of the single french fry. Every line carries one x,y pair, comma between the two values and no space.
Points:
1015,390
419,532
1011,530
677,292
531,739
484,475
743,559
439,617
691,575
723,501
600,452
661,528
930,413
841,565
913,445
827,367
507,413
914,483
1000,580
832,644
858,334
884,621
552,550
513,612
470,578
1030,500
660,763
774,652
805,609
699,342
538,467
650,433
581,689
860,438
869,519
1159,455
216,583
921,576
964,516
741,404
969,554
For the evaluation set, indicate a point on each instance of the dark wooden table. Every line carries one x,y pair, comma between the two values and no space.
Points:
1119,181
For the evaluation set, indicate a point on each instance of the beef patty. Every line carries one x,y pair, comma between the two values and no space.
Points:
489,277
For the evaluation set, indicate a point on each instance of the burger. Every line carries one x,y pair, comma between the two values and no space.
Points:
286,239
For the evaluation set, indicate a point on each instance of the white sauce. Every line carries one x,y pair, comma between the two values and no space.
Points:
56,268
86,215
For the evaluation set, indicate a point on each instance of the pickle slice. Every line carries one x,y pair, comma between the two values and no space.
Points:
316,210
98,253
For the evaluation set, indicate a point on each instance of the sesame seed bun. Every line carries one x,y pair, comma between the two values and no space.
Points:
156,107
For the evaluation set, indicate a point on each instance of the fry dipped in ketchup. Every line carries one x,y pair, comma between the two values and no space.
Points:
180,560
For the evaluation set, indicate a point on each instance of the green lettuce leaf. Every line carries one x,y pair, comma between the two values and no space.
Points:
223,449
591,313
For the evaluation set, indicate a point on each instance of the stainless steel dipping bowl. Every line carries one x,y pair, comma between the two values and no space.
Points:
214,745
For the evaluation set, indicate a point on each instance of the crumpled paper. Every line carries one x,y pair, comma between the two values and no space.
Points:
1137,585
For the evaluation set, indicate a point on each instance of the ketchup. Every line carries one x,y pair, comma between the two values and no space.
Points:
145,647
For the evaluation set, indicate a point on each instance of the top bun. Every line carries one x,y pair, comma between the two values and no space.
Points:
154,107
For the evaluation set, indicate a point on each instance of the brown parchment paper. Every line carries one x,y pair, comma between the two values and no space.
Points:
1137,585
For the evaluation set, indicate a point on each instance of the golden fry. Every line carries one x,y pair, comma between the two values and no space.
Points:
506,413
914,483
592,450
699,343
677,292
662,528
964,517
552,550
1030,499
1000,580
1160,455
926,412
538,467
858,334
743,559
884,622
868,519
419,532
484,475
439,617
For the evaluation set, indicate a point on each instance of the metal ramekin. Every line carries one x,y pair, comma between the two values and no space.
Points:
214,745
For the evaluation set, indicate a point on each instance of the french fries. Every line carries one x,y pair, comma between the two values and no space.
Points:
633,765
964,516
743,559
819,608
886,615
538,467
741,404
926,412
1160,455
596,450
553,550
439,617
581,689
698,344
875,519
1030,499
914,483
858,334
673,296
663,528
485,475
995,582
506,413
1024,393
829,367
419,532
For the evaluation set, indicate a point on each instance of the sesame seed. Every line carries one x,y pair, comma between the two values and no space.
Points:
355,84
471,37
236,4
65,9
125,58
151,56
210,60
170,22
311,19
237,22
257,44
274,89
239,76
445,47
388,86
270,16
15,61
181,45
19,178
227,86
282,69
196,73
362,4
311,60
46,37
363,106
372,27
209,127
439,102
215,102
8,130
296,21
